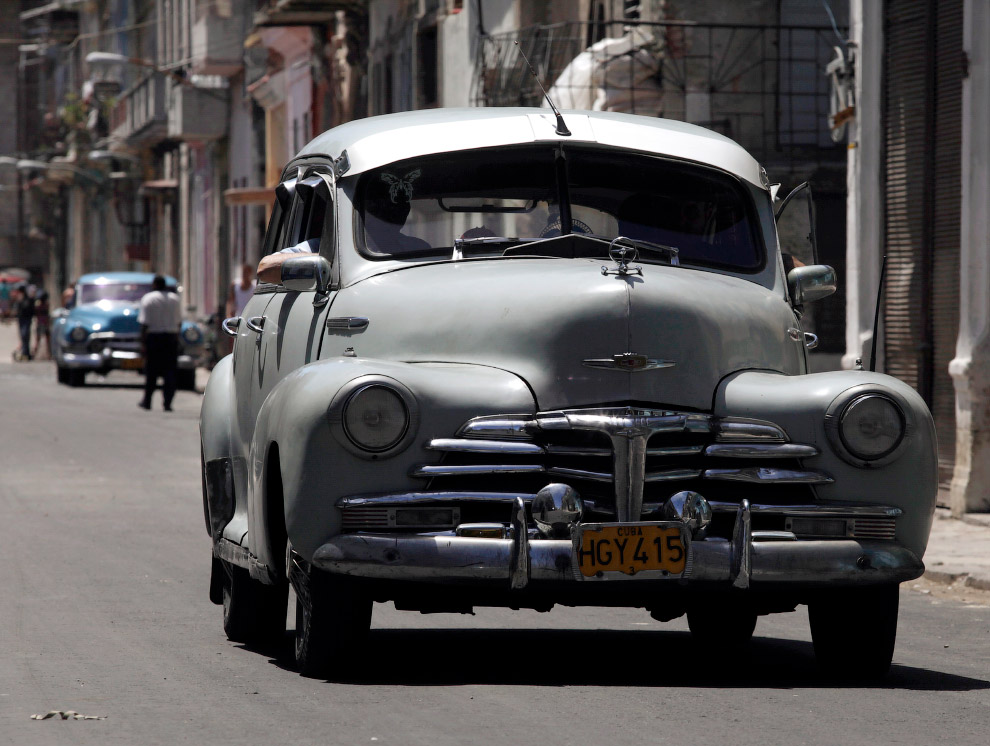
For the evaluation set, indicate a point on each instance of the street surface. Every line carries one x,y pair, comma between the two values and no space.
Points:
104,611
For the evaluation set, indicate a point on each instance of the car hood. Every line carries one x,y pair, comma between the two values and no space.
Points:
554,322
112,316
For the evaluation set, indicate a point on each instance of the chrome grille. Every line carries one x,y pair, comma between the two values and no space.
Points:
872,528
589,448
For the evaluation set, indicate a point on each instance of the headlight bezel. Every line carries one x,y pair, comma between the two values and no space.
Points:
80,338
843,404
196,336
348,392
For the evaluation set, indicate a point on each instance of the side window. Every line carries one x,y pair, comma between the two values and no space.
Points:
311,216
276,234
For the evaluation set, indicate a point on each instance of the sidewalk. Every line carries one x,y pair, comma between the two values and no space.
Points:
958,551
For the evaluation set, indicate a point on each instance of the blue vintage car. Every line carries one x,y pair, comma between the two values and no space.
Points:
101,333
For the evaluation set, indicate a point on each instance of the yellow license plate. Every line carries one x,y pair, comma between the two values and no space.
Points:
132,363
630,549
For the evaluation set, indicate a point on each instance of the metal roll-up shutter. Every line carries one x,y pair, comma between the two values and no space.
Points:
946,205
922,107
907,129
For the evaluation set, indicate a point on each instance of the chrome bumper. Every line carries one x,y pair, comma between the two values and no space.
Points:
749,559
109,359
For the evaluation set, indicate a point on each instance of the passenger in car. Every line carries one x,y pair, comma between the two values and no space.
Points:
270,267
387,202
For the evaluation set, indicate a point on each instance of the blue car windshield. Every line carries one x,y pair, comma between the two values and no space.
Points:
120,291
421,207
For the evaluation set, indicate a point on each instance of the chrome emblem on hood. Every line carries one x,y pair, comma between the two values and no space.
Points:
628,361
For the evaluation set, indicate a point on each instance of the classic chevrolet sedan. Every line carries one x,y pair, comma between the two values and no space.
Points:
520,360
101,333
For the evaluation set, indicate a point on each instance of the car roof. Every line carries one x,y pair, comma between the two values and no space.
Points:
372,142
107,278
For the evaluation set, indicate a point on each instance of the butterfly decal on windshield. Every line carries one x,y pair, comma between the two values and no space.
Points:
402,184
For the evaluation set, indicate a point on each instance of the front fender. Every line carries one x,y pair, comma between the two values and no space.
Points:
215,417
317,468
799,404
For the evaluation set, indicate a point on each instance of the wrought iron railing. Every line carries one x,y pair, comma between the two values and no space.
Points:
763,86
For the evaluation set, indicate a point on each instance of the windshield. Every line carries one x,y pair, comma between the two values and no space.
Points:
492,199
126,291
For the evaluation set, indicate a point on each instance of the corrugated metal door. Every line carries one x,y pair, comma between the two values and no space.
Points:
946,205
922,161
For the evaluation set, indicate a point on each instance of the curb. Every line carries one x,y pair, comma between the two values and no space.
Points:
977,581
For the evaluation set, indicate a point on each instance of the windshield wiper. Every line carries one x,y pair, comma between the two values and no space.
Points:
485,241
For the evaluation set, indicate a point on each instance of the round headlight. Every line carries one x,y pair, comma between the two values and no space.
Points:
871,427
375,418
78,334
191,335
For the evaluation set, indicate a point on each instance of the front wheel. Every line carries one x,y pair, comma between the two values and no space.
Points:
332,620
854,631
63,374
253,613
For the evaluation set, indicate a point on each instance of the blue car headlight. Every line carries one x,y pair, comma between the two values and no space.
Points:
192,335
78,334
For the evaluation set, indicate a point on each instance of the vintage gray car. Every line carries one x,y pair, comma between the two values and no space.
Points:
538,362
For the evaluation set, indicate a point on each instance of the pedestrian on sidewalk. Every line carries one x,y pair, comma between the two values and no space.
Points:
24,311
42,325
160,318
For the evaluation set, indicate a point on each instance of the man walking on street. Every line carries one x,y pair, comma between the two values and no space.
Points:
160,318
24,310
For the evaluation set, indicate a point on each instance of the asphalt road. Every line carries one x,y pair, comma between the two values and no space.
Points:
104,611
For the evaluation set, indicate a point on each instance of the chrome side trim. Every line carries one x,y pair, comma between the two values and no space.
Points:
761,450
505,426
760,475
456,445
351,323
734,430
831,510
457,471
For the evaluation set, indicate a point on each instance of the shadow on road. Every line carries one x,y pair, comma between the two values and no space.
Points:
455,657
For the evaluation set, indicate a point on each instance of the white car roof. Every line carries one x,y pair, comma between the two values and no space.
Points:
373,142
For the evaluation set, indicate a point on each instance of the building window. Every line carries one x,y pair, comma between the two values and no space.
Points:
426,67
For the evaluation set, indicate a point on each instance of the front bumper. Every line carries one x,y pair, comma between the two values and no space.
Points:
749,559
110,359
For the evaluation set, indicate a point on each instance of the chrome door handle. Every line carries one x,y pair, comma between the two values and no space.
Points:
810,340
230,325
255,324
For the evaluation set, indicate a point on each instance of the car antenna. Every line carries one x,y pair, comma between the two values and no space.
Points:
561,127
876,316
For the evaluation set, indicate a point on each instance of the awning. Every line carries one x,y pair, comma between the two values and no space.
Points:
249,196
160,184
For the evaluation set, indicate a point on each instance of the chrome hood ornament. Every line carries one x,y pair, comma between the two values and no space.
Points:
629,362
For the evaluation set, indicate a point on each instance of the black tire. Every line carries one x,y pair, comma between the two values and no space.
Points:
63,374
253,613
332,620
76,378
185,380
854,631
722,625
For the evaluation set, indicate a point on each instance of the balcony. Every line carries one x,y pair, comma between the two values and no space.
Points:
303,12
763,86
197,113
140,116
217,42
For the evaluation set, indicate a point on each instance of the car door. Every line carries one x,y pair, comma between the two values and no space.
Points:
248,359
294,320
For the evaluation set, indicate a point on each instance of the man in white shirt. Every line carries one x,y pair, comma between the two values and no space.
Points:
160,318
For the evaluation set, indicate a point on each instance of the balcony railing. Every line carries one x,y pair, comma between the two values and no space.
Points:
763,86
140,114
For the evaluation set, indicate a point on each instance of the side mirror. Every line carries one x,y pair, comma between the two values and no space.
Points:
304,273
810,283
